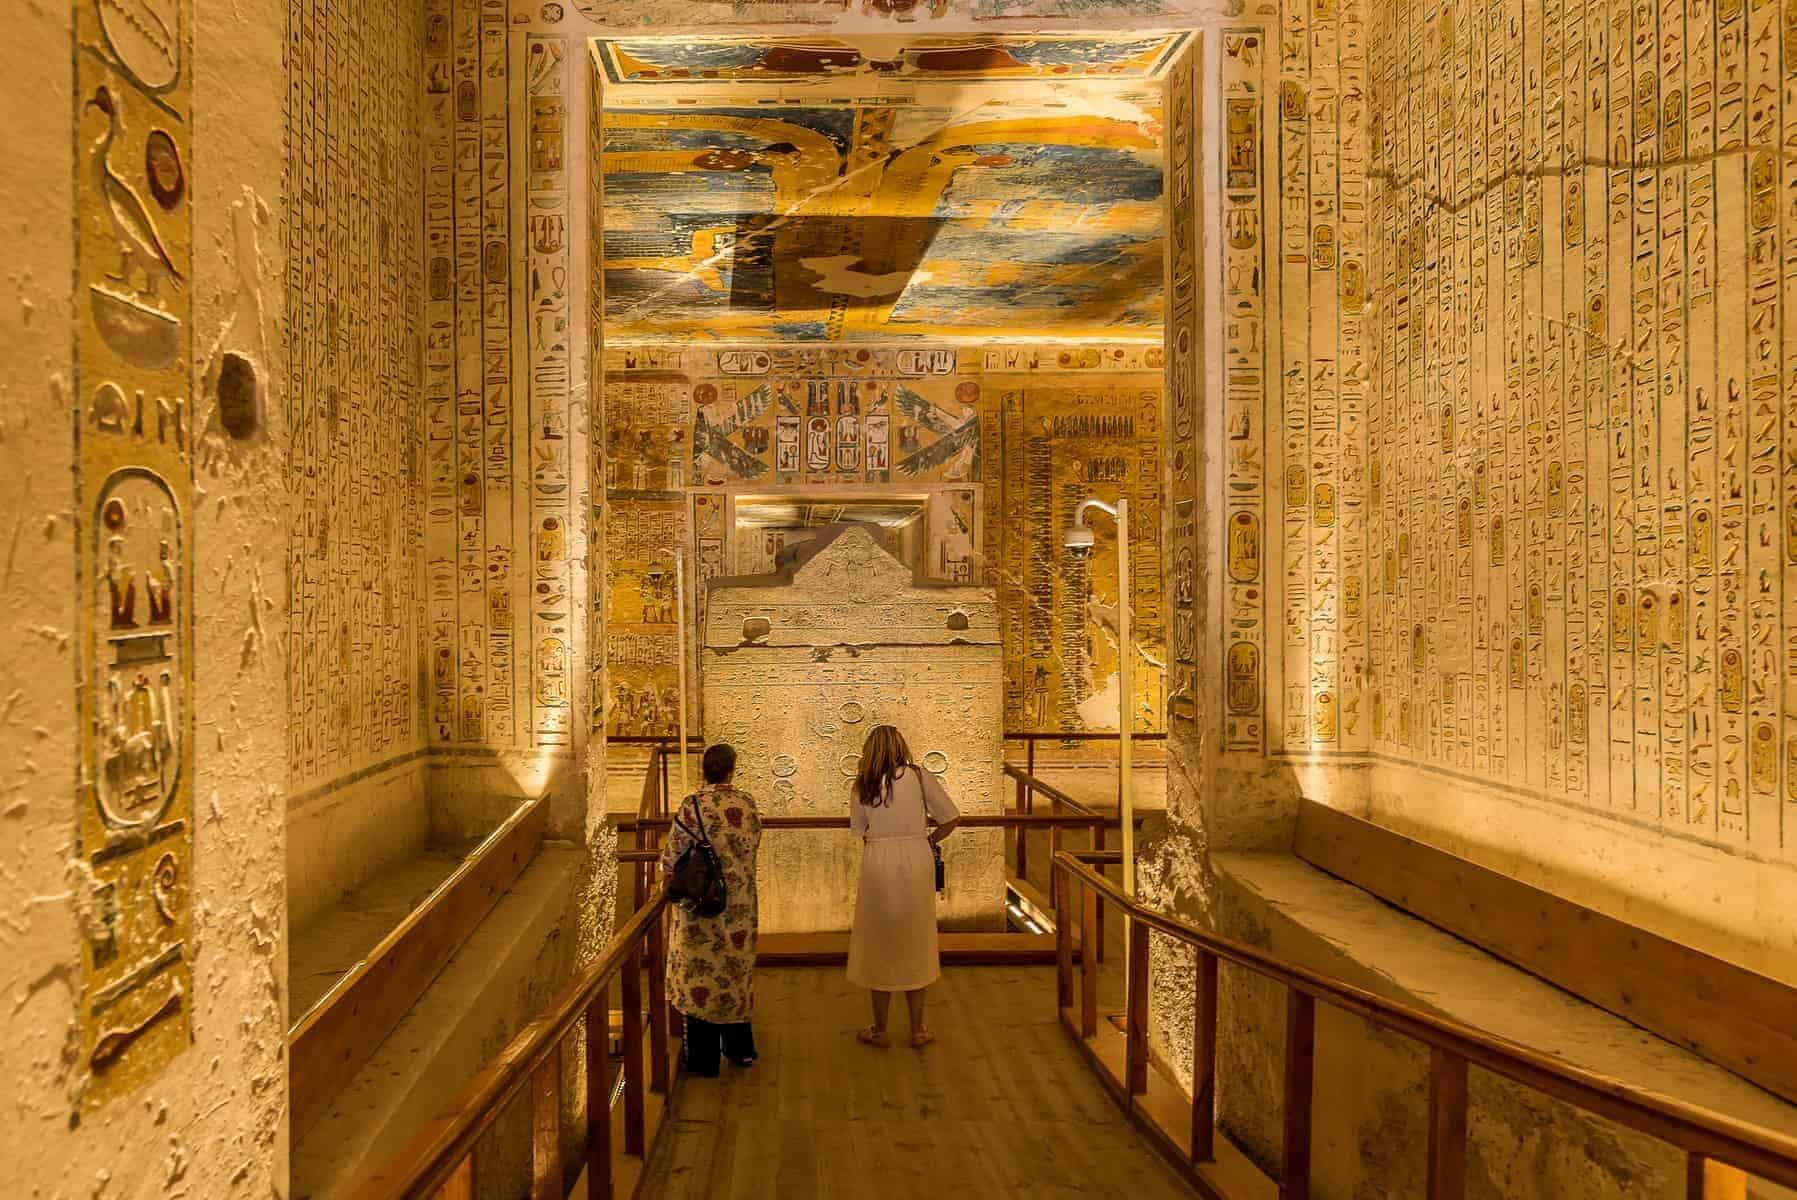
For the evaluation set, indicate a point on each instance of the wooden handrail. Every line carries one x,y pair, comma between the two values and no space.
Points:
447,1140
1081,735
1008,820
1055,794
1698,1132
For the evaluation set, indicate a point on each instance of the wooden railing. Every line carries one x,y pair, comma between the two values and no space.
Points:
1185,1131
440,1161
1028,788
339,1034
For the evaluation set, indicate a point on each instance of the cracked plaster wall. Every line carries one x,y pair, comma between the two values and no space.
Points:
1581,551
209,1123
1499,494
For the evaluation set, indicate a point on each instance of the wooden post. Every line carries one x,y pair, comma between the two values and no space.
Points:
1447,1125
1095,947
1061,882
599,1096
1707,1179
1088,962
460,1184
1023,834
1204,1059
658,1005
680,607
546,1130
1300,1074
633,1051
1135,1011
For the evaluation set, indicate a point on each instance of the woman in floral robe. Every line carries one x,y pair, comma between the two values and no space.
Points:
711,960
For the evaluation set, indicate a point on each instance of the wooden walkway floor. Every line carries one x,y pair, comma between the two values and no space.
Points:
1001,1105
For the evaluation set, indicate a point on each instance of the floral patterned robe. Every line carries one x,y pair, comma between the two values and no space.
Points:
711,960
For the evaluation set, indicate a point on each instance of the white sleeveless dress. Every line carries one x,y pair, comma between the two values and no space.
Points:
892,947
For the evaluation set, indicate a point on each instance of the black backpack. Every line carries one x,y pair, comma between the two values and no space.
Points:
697,881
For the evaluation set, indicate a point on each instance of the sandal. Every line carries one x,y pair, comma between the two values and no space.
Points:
872,1036
922,1038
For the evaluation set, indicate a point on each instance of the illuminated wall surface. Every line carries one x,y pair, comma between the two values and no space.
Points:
798,667
1517,505
356,291
1000,444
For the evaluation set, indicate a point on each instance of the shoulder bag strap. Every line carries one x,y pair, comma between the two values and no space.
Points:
700,834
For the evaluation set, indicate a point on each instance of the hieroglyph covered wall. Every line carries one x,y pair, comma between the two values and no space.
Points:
502,524
143,716
1583,436
799,667
1001,442
355,287
134,502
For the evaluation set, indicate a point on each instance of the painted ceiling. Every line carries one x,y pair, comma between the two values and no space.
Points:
664,61
991,216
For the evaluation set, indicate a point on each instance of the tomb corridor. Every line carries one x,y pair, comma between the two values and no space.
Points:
1314,480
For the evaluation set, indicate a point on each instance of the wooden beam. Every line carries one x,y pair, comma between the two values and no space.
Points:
1300,1078
1088,963
1729,1015
343,1030
1447,1126
1204,1058
658,1008
956,948
546,1131
1163,1114
599,1138
631,980
1136,1018
1063,926
460,1184
1707,1179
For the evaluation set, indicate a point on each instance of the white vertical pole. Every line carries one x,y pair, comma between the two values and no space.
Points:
680,605
1125,700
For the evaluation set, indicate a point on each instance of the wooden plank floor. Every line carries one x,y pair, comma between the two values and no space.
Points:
1001,1105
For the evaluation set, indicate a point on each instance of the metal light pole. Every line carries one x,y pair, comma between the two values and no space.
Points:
680,606
679,555
1079,540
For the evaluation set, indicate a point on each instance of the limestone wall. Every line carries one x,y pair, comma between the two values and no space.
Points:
1580,445
798,668
504,403
1000,442
1498,524
355,279
145,934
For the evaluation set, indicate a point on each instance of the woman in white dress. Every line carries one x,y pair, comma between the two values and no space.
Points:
892,947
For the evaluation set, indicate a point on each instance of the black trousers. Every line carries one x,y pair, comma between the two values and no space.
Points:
704,1040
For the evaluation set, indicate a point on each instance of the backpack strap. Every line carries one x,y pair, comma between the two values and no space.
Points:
700,836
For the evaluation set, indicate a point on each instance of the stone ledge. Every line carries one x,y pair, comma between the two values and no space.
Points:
502,976
1371,1113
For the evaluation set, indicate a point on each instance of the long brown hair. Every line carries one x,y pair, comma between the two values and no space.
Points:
883,755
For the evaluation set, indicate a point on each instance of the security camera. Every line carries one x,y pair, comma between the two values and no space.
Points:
1078,540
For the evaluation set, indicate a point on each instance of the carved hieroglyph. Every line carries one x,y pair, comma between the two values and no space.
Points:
799,666
999,443
133,504
355,307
